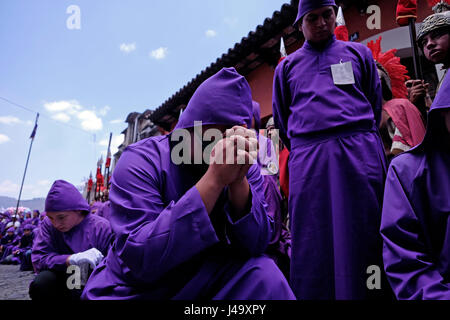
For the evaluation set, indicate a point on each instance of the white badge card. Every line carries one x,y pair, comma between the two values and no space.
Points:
343,73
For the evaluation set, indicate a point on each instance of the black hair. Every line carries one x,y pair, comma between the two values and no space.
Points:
387,93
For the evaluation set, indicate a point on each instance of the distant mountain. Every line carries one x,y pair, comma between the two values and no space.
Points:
33,204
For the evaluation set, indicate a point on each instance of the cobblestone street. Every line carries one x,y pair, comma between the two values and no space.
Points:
14,283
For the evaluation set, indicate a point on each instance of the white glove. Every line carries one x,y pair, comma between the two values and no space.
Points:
91,257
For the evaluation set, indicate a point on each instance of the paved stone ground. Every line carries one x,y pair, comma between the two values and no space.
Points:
14,283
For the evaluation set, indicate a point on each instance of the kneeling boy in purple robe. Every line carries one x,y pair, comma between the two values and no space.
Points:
69,241
416,212
192,231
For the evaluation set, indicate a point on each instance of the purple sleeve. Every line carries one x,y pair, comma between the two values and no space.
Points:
410,269
372,86
281,102
153,238
273,200
44,256
253,231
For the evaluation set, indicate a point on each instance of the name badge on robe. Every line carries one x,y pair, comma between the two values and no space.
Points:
343,73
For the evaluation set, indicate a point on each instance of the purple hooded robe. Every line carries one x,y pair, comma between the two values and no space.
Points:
52,247
336,165
416,213
167,247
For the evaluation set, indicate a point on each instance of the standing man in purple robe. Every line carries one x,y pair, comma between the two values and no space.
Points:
69,236
192,230
327,106
416,212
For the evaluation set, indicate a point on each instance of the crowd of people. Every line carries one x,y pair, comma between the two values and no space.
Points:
363,179
17,231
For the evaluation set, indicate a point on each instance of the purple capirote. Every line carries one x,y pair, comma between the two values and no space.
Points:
64,196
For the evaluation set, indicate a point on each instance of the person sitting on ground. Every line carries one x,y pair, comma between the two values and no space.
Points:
69,235
190,224
415,223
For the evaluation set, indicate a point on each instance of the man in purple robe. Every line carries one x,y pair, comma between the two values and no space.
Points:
7,243
327,106
21,253
69,236
191,231
36,219
416,212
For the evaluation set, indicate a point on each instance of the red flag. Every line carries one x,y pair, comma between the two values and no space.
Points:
406,9
108,160
341,30
99,177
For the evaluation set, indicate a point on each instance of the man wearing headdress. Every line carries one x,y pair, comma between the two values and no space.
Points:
434,40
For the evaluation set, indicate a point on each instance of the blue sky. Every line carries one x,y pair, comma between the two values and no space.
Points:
127,56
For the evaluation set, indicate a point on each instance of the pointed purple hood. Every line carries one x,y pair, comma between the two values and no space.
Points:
306,6
225,98
63,196
436,123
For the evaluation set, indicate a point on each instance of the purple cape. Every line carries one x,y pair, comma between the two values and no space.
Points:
167,246
416,223
52,247
63,196
336,167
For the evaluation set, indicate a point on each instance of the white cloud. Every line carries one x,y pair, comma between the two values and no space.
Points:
231,22
10,120
69,106
29,123
4,138
8,187
65,110
63,117
210,33
11,189
159,53
116,121
116,141
90,121
103,111
128,47
44,183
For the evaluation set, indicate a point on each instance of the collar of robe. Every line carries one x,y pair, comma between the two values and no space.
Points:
319,48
